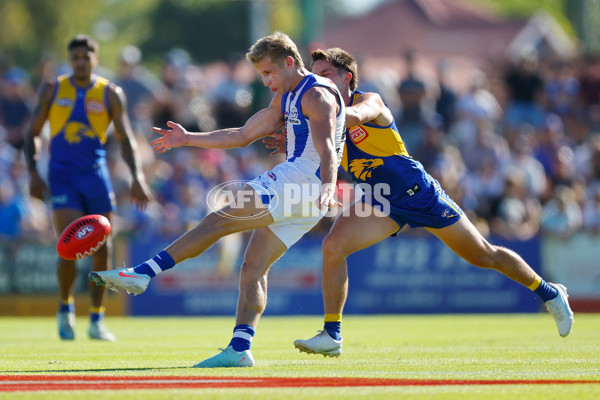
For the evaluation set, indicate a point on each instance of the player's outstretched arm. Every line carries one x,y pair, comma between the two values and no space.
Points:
263,123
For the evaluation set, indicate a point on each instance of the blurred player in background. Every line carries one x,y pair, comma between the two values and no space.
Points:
312,111
374,154
79,108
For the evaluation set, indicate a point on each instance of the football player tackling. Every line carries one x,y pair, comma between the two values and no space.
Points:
415,200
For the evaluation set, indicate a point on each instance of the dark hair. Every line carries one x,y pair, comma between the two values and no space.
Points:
341,60
83,41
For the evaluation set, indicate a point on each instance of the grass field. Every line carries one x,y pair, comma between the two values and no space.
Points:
419,349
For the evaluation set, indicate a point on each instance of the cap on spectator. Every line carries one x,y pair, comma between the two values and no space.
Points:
16,75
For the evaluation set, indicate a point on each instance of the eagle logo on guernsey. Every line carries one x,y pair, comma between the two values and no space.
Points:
362,168
357,134
74,131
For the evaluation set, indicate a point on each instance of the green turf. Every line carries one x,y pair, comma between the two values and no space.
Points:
414,347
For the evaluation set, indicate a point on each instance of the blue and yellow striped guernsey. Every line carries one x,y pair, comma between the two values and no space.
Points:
78,117
376,154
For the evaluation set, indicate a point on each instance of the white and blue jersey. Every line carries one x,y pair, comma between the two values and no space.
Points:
299,139
290,189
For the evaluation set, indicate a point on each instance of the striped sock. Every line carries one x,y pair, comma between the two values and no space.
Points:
67,305
96,314
242,337
157,264
542,289
333,325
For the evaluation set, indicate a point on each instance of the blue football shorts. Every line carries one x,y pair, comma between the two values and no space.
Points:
430,208
89,191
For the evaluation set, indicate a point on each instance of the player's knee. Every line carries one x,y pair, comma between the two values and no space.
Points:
332,248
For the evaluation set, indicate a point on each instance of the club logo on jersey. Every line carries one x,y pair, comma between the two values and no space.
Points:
292,117
64,102
272,175
357,134
362,168
447,214
74,131
94,107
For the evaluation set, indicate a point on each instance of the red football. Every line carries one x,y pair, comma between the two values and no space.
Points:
83,237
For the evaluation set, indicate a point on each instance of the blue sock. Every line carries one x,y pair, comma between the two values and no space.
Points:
96,314
157,264
242,337
334,329
66,306
545,291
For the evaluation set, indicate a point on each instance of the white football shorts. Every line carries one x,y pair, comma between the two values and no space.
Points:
290,191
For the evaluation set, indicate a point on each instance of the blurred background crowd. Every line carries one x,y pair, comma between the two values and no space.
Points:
516,141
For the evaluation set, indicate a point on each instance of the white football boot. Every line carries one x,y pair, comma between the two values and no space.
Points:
228,358
98,331
124,278
321,343
560,310
66,323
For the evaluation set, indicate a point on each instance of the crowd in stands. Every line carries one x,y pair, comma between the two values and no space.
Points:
520,165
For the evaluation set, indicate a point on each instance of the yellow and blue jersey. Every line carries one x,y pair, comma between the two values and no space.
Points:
78,117
375,155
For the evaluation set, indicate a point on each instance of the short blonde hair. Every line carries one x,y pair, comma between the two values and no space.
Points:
277,47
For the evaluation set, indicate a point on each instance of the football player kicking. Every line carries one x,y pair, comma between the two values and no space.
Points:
312,110
415,199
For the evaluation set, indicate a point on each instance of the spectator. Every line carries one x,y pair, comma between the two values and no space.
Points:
413,94
562,215
477,105
445,104
525,91
515,214
14,107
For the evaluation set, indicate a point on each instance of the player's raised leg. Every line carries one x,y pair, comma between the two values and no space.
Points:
359,227
464,239
263,250
191,244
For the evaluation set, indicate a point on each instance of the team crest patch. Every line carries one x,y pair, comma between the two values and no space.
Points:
64,102
292,116
272,175
94,107
358,134
362,168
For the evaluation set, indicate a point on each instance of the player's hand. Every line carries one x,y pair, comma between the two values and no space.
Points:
170,137
275,141
327,199
140,194
37,186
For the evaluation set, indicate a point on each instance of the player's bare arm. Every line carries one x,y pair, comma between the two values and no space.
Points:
321,107
37,187
140,192
263,123
369,107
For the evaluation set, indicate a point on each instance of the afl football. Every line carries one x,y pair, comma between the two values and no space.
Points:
83,237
